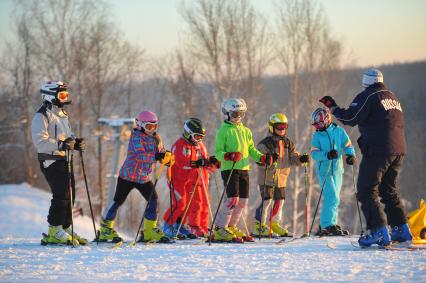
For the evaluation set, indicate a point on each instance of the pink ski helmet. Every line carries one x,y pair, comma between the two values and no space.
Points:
146,117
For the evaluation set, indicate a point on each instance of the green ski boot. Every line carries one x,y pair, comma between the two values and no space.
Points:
57,236
152,234
82,241
107,232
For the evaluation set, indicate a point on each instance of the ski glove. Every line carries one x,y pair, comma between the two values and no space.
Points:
304,158
328,101
67,144
332,154
166,158
214,162
232,156
267,159
202,162
80,144
350,160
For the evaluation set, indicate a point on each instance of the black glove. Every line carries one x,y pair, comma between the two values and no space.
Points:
214,162
274,157
328,101
80,144
67,144
304,158
350,159
332,154
159,156
202,162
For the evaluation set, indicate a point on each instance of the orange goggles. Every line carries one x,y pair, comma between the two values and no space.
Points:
63,96
281,126
197,137
150,126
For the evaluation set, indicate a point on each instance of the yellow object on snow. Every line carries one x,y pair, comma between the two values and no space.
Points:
417,223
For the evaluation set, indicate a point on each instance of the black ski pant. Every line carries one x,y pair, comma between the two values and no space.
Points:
377,177
56,175
238,183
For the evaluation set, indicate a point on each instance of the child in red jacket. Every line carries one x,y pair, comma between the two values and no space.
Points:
191,159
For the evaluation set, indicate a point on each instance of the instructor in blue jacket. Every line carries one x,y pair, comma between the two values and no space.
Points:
379,116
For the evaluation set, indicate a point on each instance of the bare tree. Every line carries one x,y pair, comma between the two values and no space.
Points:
308,55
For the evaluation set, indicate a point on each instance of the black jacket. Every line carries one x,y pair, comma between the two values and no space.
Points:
378,114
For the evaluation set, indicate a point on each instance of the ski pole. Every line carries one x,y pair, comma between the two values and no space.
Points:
217,187
270,212
188,204
171,194
220,202
356,200
261,197
305,165
206,195
88,196
69,161
319,199
147,203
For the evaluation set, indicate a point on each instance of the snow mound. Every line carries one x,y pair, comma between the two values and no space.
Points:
22,258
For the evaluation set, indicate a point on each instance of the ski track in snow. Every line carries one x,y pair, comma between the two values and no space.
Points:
22,258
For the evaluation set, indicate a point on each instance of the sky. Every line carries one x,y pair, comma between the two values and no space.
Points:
372,32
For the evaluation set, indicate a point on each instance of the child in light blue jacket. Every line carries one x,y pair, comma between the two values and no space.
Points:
328,143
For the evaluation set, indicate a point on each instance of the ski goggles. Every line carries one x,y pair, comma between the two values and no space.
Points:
281,126
197,137
62,96
150,126
238,114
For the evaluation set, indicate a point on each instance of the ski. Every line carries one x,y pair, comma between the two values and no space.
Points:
391,247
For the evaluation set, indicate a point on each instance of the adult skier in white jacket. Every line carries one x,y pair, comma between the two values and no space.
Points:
53,138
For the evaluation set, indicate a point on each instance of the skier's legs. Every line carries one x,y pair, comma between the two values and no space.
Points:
243,198
338,178
277,209
371,171
179,200
394,208
195,207
150,194
122,190
329,201
266,198
232,198
56,175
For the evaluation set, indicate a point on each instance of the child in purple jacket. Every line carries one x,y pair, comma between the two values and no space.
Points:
145,148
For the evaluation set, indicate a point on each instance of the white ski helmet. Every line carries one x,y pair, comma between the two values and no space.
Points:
233,105
55,92
371,76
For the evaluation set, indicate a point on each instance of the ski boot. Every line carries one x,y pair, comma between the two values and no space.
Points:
198,231
185,231
380,237
82,241
332,230
264,230
107,232
221,234
278,229
57,236
240,234
152,234
401,234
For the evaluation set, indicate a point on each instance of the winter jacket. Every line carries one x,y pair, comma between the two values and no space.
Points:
235,138
378,114
184,153
140,157
287,156
334,137
49,126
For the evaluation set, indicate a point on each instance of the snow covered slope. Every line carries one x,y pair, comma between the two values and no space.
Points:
23,219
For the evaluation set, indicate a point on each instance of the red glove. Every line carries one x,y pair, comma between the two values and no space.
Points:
267,160
328,101
233,156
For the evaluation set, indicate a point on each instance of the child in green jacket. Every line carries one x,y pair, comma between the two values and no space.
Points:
233,146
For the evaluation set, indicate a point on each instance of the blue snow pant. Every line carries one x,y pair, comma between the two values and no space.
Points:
330,199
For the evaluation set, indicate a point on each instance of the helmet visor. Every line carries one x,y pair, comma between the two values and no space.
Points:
238,114
281,126
150,126
63,96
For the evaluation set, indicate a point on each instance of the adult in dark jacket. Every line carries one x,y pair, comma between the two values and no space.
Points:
379,116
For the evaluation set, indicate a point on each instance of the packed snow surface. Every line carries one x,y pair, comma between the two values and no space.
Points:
22,258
